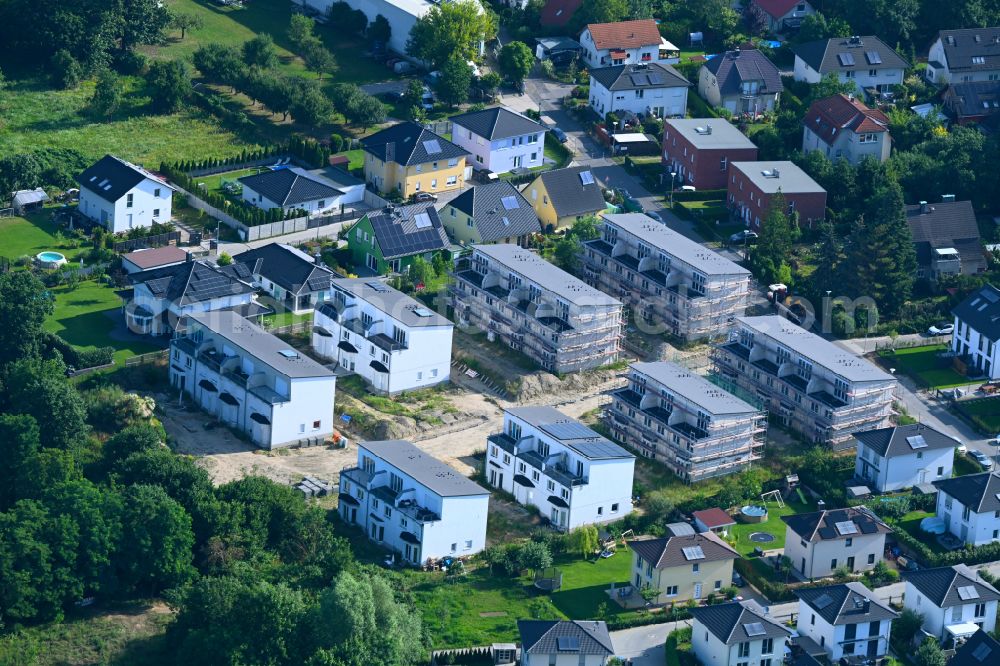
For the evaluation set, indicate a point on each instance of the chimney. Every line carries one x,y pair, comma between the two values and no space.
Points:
189,257
708,129
924,208
318,258
776,173
947,198
736,53
866,607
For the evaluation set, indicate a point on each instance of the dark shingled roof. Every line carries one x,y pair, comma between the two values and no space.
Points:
892,442
972,99
947,224
822,525
568,194
287,268
194,281
493,220
732,68
497,123
728,622
844,603
437,476
668,552
824,55
543,637
940,585
976,491
960,46
558,12
110,178
407,144
981,311
639,76
288,187
980,650
777,8
398,235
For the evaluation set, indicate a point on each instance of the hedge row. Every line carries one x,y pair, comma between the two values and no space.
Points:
699,195
774,591
79,359
968,555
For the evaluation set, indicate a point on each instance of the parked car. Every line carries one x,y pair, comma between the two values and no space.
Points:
402,67
559,134
654,215
981,458
962,449
737,579
424,197
745,236
941,329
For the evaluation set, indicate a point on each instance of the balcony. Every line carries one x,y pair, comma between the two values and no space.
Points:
268,395
385,343
767,366
470,276
186,345
212,358
737,349
796,382
502,440
237,376
828,399
628,396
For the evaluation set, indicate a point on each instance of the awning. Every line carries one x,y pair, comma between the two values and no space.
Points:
962,629
208,386
176,367
347,347
228,399
259,418
322,332
348,499
618,54
409,537
378,366
522,480
555,500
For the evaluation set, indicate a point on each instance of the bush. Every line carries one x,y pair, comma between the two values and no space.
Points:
336,143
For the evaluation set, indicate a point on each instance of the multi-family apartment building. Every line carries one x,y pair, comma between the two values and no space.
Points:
392,341
573,475
809,384
412,503
754,186
700,150
977,331
687,423
518,298
666,278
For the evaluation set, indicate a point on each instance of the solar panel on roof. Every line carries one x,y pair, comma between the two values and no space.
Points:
510,203
990,296
568,643
867,527
586,177
568,430
846,59
754,629
432,146
422,220
655,79
873,57
967,592
693,553
916,442
846,527
823,601
826,533
982,651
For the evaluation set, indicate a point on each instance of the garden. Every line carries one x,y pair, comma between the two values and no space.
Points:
984,413
924,365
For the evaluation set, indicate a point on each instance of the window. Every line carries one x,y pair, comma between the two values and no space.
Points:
833,563
767,646
812,619
600,511
871,558
156,192
451,180
718,585
454,547
850,542
672,591
302,427
872,72
494,451
506,459
156,212
128,200
387,511
316,425
695,567
744,649
614,508
468,544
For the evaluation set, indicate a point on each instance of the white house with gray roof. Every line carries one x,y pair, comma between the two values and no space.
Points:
500,139
680,419
821,542
976,337
490,213
891,459
252,381
953,601
737,633
807,383
867,62
412,503
564,643
642,89
120,195
534,307
571,473
964,55
290,276
669,280
846,619
392,341
970,507
294,189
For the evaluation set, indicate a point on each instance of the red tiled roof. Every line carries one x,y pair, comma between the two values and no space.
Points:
558,12
713,518
160,256
777,8
625,34
830,115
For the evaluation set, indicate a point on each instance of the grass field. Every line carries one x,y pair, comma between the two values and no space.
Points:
985,413
911,523
774,525
925,366
27,236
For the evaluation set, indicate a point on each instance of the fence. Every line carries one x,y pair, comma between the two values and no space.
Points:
158,240
142,359
439,127
294,327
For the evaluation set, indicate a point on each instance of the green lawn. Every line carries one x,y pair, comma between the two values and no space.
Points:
285,318
27,236
925,366
985,412
911,523
773,525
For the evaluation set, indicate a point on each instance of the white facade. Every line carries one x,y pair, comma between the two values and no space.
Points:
251,381
712,651
147,202
973,528
661,51
881,79
565,659
834,637
939,71
889,474
936,619
662,102
819,559
984,352
574,481
502,155
849,145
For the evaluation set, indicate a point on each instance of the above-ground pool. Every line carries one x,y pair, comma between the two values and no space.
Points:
49,259
753,514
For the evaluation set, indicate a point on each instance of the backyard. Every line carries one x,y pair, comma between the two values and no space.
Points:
774,526
27,236
983,412
924,366
911,523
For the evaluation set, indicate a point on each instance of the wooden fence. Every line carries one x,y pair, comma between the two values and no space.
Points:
142,359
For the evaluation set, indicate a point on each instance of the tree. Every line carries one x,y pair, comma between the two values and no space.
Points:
421,271
107,95
130,440
380,29
601,11
184,21
365,110
829,263
40,389
566,252
308,104
489,83
319,59
816,26
260,52
169,83
584,540
717,17
778,233
929,654
139,22
155,549
533,555
224,259
66,71
828,86
450,32
24,307
516,61
223,64
906,626
19,442
300,30
455,82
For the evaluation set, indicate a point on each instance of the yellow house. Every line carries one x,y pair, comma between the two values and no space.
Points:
562,196
690,566
408,159
490,213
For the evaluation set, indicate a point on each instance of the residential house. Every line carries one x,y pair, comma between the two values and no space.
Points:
294,189
741,81
807,383
491,213
713,520
559,50
643,89
753,186
964,55
252,381
847,620
682,568
867,62
563,196
392,341
291,277
412,503
821,542
120,195
780,15
843,127
953,601
564,643
978,650
700,150
160,297
573,475
977,332
737,633
973,102
387,240
668,279
970,507
150,258
946,238
406,158
904,456
499,139
626,42
557,13
685,422
532,306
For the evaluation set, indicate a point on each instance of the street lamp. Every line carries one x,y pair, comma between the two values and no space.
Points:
673,177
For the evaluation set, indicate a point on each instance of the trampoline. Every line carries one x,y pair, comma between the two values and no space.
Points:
761,537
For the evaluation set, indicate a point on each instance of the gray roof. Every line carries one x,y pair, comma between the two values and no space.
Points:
391,301
289,268
981,311
548,276
263,346
732,68
946,224
397,233
844,603
408,143
960,46
695,388
497,122
731,622
289,186
980,650
25,197
666,552
972,99
111,177
979,492
941,586
832,525
498,210
427,470
558,44
565,637
675,244
568,431
899,440
639,76
790,179
821,352
194,281
843,54
710,133
568,194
